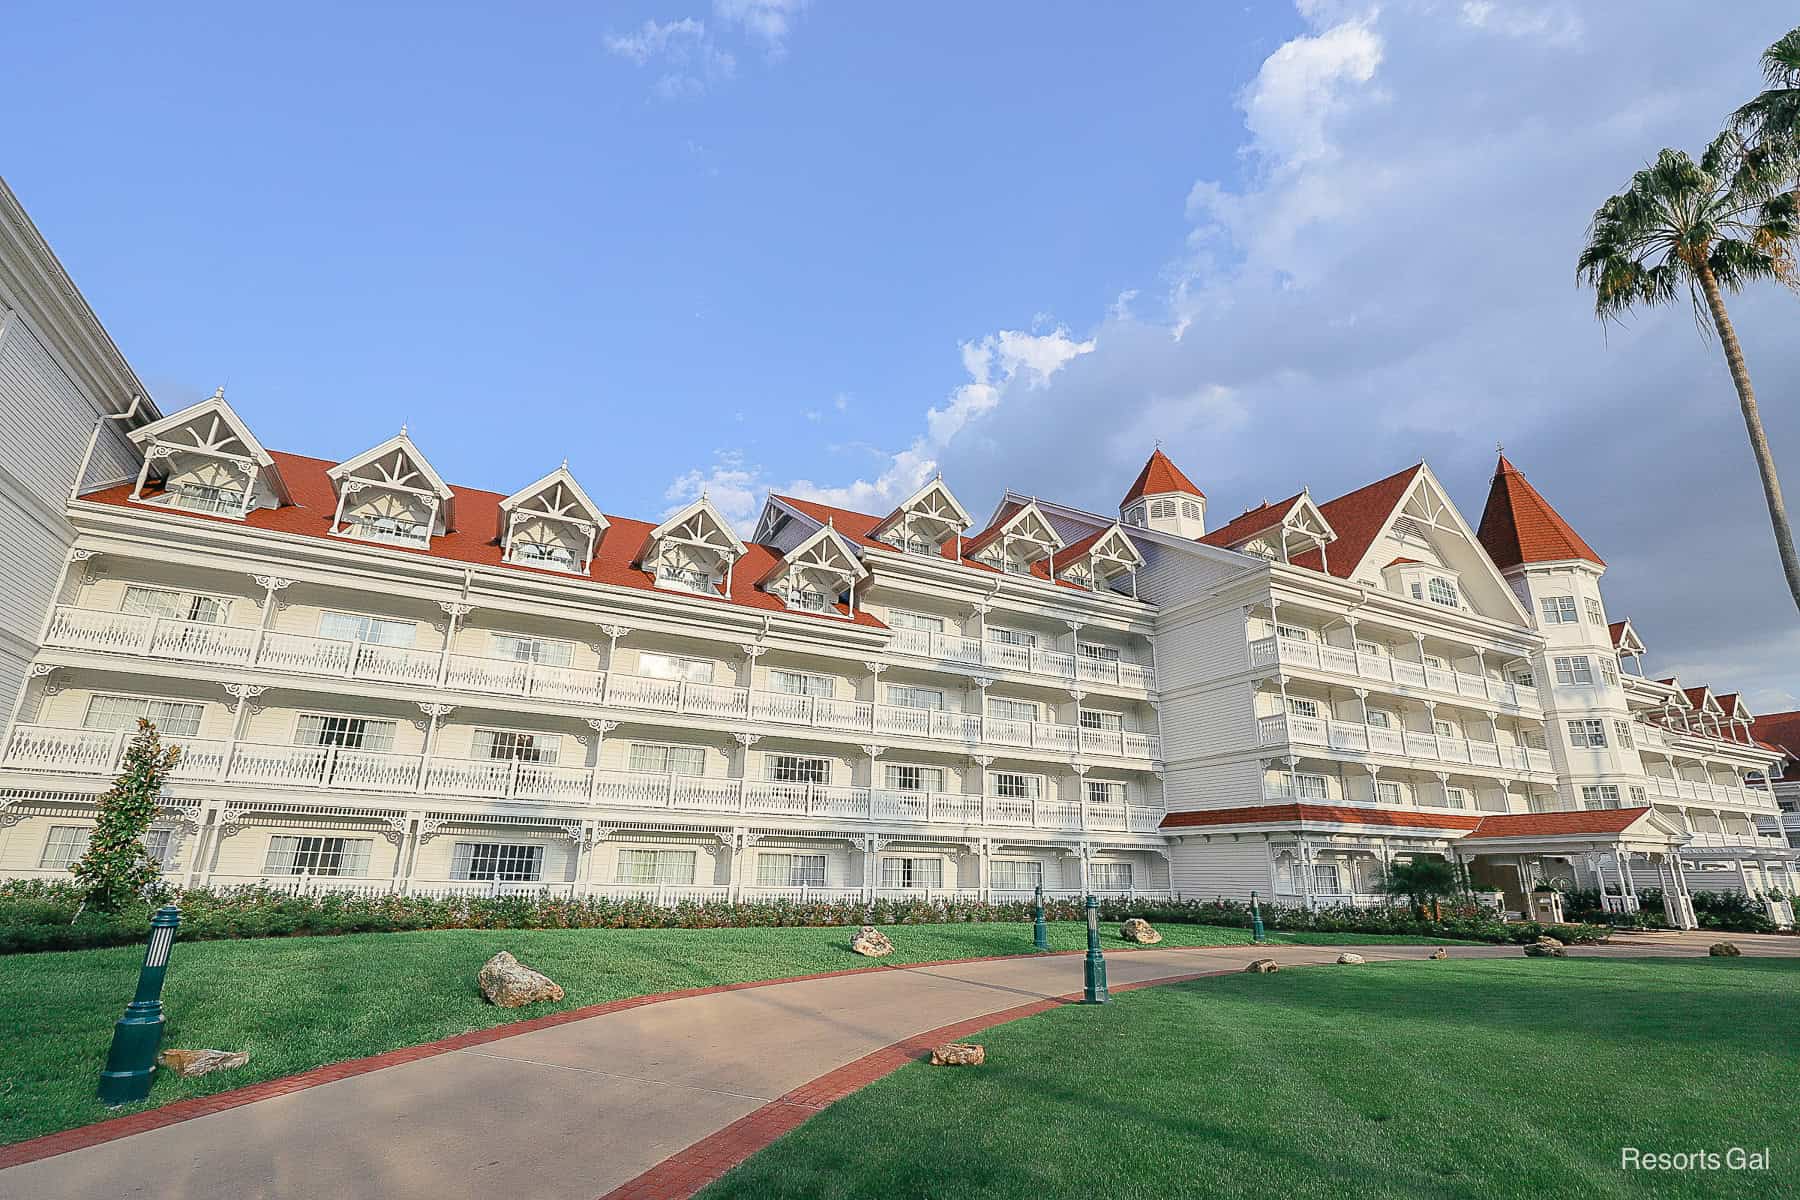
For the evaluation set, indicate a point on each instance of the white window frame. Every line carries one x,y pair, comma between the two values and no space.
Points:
1609,671
1111,876
1024,874
1298,633
1100,652
1309,785
1441,589
1387,791
925,772
680,663
533,647
801,869
916,690
918,622
1006,635
802,768
193,601
64,846
1560,610
545,749
370,623
1596,796
150,704
665,861
1030,708
1298,706
812,683
506,862
668,749
1595,614
1107,721
1111,791
329,854
906,866
1032,784
1573,670
1587,733
305,714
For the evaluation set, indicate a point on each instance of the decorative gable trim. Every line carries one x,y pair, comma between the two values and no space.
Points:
555,501
231,462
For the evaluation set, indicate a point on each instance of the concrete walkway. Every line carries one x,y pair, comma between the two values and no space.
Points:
576,1110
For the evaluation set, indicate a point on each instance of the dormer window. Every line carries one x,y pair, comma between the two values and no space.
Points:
551,524
210,498
552,553
925,522
207,461
1017,540
390,495
395,531
675,572
693,551
813,575
1100,561
1423,581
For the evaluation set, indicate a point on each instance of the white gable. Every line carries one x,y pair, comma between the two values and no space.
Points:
1426,527
208,461
551,522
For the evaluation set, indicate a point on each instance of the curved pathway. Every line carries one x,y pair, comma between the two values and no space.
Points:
650,1098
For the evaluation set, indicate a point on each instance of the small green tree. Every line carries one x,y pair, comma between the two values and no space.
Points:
117,869
1422,880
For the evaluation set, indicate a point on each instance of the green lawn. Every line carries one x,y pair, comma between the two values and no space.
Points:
1479,1078
296,1003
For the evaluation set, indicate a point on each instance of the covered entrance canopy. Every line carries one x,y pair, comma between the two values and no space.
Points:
1510,850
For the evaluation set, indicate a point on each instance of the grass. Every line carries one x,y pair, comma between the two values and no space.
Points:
297,1003
1490,1078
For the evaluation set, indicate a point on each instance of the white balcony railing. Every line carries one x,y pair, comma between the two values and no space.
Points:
1356,738
305,654
1035,660
1380,668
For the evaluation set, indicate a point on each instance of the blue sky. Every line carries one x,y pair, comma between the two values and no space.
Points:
820,246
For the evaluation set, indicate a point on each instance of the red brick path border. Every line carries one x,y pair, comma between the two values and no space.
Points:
80,1138
687,1171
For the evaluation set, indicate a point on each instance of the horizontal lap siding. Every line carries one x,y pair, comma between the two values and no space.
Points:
1222,867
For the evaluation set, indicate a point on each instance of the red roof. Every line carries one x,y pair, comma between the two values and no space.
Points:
1554,824
1358,517
1781,731
1160,475
1251,522
1617,629
476,538
1326,814
853,525
1519,526
1696,696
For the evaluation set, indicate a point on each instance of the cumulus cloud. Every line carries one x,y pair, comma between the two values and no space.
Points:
768,21
691,56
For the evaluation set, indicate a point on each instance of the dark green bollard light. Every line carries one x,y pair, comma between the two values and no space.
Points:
1096,962
1256,925
131,1064
1040,933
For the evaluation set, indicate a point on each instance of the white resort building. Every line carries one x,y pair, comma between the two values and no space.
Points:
382,681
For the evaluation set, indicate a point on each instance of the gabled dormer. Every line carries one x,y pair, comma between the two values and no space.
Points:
817,575
205,459
926,522
1164,499
1103,561
1016,540
1705,714
390,494
1279,532
1737,717
693,551
1627,644
551,523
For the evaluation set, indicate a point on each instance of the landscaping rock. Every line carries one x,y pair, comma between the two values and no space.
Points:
1545,948
1439,953
1138,930
509,983
1350,959
870,942
1724,950
958,1054
1262,966
191,1064
1547,940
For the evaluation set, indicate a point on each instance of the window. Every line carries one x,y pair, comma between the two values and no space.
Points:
1590,733
1161,509
790,870
1105,791
902,695
1135,516
1311,787
912,872
497,862
1623,730
182,606
1380,720
1388,793
544,552
1013,566
793,768
1432,660
66,845
1296,632
1443,728
352,733
674,666
1011,637
509,744
1456,797
1015,785
390,529
204,497
903,778
1102,653
1609,671
1303,708
1109,877
1638,797
1003,709
1574,670
656,759
354,627
172,718
515,647
1441,591
1190,510
900,619
1559,610
800,683
1534,739
1524,679
1095,718
1375,648
318,856
1605,795
687,579
160,845
656,866
1594,615
1015,875
810,600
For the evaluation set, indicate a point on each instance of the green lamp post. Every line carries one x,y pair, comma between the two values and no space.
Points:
1096,962
1256,925
131,1064
1040,933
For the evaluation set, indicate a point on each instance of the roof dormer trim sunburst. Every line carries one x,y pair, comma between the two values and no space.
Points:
211,430
398,468
559,499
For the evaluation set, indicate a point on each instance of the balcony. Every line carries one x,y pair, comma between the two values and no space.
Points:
305,654
1355,738
1380,668
667,895
1667,788
961,651
340,768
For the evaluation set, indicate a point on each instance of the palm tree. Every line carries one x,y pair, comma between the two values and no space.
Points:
1775,113
1705,228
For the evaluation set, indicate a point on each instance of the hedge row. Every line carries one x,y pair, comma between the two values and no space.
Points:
39,915
1728,912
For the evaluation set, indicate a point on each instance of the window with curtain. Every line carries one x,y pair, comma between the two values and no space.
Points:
923,623
912,872
1002,709
497,862
160,845
66,845
901,695
504,744
902,777
356,627
515,647
1105,791
1096,718
1109,876
656,866
795,768
674,666
658,759
1011,637
318,856
1326,878
172,718
790,870
1015,785
1102,653
181,606
352,733
800,683
1013,875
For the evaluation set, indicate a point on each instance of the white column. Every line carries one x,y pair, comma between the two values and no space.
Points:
456,611
433,712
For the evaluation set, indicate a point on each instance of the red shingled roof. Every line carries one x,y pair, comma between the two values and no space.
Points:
1327,814
476,538
1251,522
1519,526
1555,824
854,525
1160,475
1357,517
1617,629
1781,731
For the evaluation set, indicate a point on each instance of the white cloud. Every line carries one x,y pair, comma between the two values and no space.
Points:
1555,24
768,21
691,56
657,39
